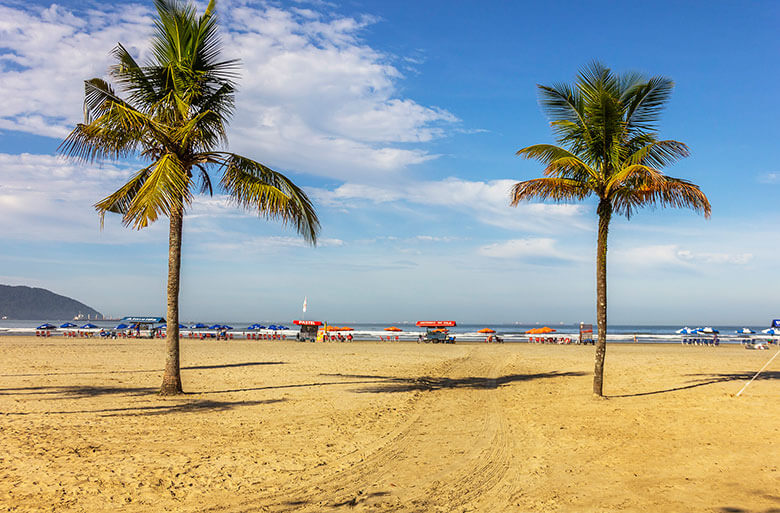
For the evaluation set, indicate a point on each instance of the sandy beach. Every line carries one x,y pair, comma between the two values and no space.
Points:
402,427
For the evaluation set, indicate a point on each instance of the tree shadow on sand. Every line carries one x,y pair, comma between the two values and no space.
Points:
142,371
182,404
702,380
389,384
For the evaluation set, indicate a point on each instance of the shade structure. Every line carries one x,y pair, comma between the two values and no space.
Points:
256,326
46,326
337,328
745,331
685,331
346,328
89,326
540,331
707,329
393,328
771,331
215,327
198,326
226,327
486,330
67,325
121,326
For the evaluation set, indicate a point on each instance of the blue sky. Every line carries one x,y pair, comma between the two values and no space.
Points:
401,120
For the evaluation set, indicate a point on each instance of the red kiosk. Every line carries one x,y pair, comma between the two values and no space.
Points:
308,330
437,332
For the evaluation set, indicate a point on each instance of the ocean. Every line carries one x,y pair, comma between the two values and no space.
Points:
619,333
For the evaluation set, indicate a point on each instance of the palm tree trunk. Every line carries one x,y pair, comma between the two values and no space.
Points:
171,384
605,214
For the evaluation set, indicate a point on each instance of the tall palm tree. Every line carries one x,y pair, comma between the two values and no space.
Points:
605,125
174,115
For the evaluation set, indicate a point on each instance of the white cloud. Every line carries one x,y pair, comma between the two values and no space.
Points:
542,249
769,178
487,201
672,255
312,97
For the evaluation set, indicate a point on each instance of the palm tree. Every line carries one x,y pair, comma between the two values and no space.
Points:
605,125
174,116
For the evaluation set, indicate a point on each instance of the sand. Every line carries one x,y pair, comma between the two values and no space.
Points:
286,426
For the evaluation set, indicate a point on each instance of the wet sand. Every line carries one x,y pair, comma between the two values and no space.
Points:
286,426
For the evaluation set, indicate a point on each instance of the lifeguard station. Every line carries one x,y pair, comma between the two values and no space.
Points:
436,332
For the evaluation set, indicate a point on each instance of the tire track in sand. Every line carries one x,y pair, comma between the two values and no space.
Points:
430,463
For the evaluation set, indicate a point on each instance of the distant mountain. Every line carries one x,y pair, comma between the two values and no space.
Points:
32,303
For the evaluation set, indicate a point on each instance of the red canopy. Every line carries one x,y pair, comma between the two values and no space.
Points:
308,323
435,324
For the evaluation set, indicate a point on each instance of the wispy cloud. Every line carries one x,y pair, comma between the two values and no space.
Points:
673,255
531,250
487,201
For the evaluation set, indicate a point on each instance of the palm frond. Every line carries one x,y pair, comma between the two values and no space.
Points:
165,189
645,102
664,192
553,189
254,186
119,202
659,153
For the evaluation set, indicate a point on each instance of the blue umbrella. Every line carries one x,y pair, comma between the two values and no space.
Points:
198,326
68,325
215,327
226,327
273,327
771,331
46,326
283,327
745,331
122,326
166,325
685,331
89,326
707,330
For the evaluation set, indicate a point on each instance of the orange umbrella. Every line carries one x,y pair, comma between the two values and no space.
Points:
332,328
539,331
346,328
393,328
486,330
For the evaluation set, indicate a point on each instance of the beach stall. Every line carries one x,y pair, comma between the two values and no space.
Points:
437,331
142,327
309,330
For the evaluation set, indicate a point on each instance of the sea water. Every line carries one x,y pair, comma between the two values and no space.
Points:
626,333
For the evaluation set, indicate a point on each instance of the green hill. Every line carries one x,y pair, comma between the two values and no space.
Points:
32,303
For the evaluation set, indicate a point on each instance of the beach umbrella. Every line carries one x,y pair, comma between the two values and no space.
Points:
540,331
226,327
346,328
89,326
707,330
46,326
393,328
771,331
215,327
486,330
68,325
745,331
685,331
122,326
273,327
198,326
283,327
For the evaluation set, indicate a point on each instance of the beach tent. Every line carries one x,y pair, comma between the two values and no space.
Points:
393,328
46,326
68,325
88,326
745,331
486,330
